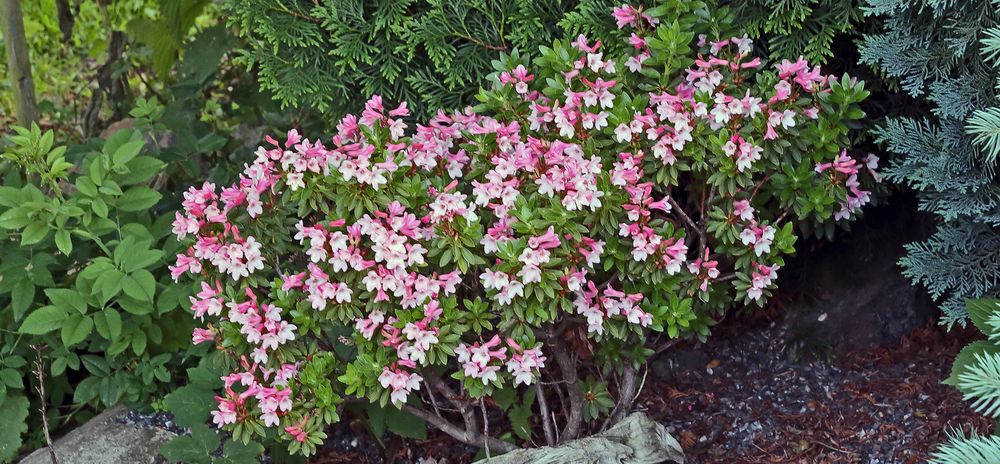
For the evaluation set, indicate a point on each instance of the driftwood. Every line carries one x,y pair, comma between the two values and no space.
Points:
635,440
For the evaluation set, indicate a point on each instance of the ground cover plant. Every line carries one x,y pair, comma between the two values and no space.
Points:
502,272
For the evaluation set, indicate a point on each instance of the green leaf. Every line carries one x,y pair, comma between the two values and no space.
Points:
63,241
66,299
109,283
140,285
138,199
13,423
34,232
76,329
140,259
100,207
22,295
43,320
14,218
204,378
235,452
114,321
190,405
196,449
127,151
967,357
87,389
980,311
11,378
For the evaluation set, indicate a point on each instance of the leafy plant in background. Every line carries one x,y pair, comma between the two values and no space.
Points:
425,270
329,56
798,27
976,373
81,266
65,52
92,210
931,49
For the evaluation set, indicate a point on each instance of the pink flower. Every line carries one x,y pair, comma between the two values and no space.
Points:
202,335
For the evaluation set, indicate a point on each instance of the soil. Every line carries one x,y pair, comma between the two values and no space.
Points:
748,397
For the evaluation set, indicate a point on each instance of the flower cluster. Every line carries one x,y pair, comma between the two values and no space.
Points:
476,245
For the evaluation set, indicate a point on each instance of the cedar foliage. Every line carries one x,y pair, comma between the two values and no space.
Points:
330,55
932,49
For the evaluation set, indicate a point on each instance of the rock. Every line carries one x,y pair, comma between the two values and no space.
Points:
106,439
851,294
637,439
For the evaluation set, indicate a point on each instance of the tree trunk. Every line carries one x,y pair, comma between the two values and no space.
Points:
18,63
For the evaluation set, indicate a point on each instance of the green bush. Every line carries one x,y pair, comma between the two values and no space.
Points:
82,245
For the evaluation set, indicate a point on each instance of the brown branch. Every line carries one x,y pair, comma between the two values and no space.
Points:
574,418
626,394
473,438
687,219
463,405
543,408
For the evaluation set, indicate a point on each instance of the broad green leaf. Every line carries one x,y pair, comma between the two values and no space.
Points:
34,232
190,405
63,241
13,424
405,424
196,449
204,378
140,285
138,199
127,151
43,320
66,299
11,378
76,328
967,357
22,295
980,311
87,390
235,452
114,321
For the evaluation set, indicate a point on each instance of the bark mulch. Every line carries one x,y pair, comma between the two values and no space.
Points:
750,402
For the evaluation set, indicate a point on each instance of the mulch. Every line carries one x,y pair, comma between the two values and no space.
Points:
752,402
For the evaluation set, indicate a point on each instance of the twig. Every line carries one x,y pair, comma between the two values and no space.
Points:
474,438
642,384
574,419
486,428
547,422
40,373
626,394
687,220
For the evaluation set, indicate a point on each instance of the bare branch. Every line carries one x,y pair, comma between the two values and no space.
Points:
687,220
626,394
574,418
473,438
543,408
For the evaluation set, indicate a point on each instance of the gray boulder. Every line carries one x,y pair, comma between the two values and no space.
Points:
105,439
635,440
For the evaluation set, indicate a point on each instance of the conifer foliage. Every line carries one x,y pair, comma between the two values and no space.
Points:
798,27
330,55
945,52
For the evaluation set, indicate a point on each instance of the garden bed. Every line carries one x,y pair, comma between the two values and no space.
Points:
750,403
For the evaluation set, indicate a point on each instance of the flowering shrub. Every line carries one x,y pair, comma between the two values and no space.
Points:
587,205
